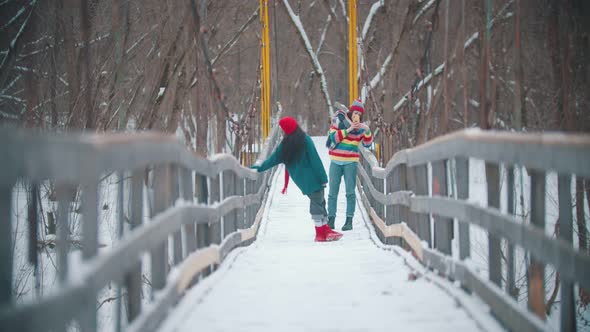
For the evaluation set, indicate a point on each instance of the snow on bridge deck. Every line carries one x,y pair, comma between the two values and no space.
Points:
287,282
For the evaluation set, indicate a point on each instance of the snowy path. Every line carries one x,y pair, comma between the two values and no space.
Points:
287,282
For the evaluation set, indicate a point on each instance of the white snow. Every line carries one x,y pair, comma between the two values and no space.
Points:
287,282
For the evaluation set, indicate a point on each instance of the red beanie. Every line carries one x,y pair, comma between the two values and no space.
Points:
288,124
357,105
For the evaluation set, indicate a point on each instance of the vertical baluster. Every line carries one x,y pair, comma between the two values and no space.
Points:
462,175
133,278
90,239
215,229
536,280
63,193
159,255
510,283
188,230
391,211
203,229
120,222
568,313
229,220
443,227
5,244
240,219
494,256
174,190
423,220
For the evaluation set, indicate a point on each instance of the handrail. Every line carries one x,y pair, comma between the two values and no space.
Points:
565,154
81,159
570,153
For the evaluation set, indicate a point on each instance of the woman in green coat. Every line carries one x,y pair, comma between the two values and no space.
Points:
304,165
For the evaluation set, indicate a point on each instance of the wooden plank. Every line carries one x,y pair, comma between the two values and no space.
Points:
194,264
568,307
157,311
133,280
240,215
494,248
5,244
536,275
510,273
443,227
462,176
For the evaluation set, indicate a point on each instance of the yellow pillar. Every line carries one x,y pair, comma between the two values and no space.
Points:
352,52
265,70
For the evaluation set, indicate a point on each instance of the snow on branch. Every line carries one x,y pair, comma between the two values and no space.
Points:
314,59
440,68
423,10
323,37
377,78
374,8
235,38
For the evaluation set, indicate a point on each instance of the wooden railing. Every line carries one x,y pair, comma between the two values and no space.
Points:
398,201
206,207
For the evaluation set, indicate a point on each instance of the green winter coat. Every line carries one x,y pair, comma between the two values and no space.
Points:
307,172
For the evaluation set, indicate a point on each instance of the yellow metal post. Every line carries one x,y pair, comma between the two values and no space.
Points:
265,70
352,52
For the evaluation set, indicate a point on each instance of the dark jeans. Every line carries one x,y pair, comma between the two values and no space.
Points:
317,206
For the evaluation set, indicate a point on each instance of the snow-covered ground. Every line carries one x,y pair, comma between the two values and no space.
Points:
287,282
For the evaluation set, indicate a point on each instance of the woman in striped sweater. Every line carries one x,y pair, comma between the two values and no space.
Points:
346,133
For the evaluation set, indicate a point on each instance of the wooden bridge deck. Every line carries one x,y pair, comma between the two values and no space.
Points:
285,281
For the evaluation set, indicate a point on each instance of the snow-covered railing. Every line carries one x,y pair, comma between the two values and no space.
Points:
398,201
204,207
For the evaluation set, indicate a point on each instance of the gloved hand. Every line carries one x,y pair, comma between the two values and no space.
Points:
256,167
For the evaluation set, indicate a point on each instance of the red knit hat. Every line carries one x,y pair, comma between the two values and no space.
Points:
288,124
357,105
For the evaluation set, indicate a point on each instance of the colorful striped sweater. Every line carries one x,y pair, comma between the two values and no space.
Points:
346,143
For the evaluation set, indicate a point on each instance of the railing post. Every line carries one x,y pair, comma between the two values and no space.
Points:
229,220
63,192
418,183
159,255
510,274
443,227
188,230
174,195
568,313
378,206
133,278
5,244
203,229
395,214
494,257
120,224
89,320
240,213
536,280
215,228
462,176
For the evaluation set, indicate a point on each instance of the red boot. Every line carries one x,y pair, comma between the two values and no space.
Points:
320,234
325,234
331,235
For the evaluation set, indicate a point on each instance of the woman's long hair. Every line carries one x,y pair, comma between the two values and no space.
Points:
293,146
